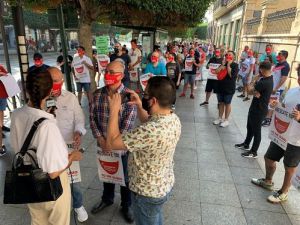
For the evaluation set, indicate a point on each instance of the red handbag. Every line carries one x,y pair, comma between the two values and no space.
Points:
222,74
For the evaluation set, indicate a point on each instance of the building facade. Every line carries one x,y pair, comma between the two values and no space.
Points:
256,23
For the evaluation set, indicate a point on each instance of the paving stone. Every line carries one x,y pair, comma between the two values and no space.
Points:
186,170
219,193
292,205
222,215
186,190
242,175
185,155
89,160
235,159
295,219
215,157
88,175
260,217
187,141
215,172
253,197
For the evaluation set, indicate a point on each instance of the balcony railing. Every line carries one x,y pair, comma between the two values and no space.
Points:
280,22
220,3
252,26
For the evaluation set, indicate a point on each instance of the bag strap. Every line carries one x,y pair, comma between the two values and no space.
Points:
30,135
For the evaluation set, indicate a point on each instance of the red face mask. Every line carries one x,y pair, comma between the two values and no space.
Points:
112,79
154,59
278,58
38,62
170,58
80,52
56,89
268,50
229,58
192,54
217,53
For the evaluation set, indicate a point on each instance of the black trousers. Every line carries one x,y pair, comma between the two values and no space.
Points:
254,130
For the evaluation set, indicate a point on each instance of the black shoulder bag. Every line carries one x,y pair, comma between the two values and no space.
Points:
28,183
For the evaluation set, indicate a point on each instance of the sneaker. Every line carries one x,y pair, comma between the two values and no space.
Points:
195,87
249,154
217,121
192,96
246,99
182,95
241,96
81,214
204,103
262,183
3,150
5,129
224,123
266,122
278,197
242,146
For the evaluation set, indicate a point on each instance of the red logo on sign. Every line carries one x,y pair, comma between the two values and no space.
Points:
281,126
110,167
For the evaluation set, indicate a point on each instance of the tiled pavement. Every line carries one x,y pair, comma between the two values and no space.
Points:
212,179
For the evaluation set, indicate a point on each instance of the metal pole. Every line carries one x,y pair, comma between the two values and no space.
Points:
17,15
5,49
60,19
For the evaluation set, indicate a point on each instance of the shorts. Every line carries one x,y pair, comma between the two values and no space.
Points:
189,78
223,98
291,156
211,85
247,81
3,104
84,86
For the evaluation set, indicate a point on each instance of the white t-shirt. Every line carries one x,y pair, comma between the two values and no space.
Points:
52,152
245,66
291,100
212,75
134,56
69,116
82,73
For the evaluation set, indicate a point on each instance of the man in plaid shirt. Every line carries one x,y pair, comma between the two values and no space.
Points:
99,114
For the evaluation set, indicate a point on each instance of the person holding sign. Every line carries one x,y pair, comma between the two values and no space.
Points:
290,155
99,116
151,145
191,63
212,80
81,65
262,91
70,121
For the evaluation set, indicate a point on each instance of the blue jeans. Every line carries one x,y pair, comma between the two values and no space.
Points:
109,188
77,195
148,211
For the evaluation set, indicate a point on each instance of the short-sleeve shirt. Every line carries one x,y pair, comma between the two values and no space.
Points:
152,147
227,85
265,87
134,56
51,150
173,70
280,70
160,69
126,60
245,66
60,59
264,56
189,60
82,73
41,68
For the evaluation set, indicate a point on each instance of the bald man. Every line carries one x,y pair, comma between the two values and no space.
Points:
156,67
99,114
70,121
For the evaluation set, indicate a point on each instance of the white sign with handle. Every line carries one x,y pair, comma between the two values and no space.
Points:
74,170
10,84
144,80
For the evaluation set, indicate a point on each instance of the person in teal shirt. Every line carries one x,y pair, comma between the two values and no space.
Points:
155,67
268,52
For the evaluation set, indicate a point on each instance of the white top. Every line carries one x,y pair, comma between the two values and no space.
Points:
82,73
212,75
291,100
134,56
69,116
245,66
52,153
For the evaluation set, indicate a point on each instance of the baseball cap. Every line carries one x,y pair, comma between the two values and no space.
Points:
37,56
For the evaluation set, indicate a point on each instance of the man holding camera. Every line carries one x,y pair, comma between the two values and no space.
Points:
70,121
99,115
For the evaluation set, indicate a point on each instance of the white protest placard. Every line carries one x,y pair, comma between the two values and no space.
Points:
10,84
296,179
284,128
188,65
74,170
103,61
110,167
134,76
144,80
212,74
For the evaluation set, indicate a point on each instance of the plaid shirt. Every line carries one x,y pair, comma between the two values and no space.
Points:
99,113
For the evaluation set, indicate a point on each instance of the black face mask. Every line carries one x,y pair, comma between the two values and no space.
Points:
145,105
116,50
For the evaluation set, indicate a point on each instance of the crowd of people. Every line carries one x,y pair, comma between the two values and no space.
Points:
148,149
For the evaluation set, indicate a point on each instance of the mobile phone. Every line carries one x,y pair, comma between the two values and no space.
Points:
298,107
126,98
82,150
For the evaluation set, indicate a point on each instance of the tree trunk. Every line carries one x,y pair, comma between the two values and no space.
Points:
85,34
